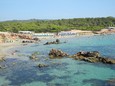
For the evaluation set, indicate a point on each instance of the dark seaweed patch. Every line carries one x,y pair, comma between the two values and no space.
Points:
57,84
24,72
98,82
22,77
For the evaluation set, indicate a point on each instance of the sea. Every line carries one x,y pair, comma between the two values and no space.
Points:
20,70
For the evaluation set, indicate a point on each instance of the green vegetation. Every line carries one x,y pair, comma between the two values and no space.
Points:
93,24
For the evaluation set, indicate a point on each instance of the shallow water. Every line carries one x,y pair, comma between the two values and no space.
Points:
21,71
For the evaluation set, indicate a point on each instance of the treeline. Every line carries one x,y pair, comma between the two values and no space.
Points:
93,24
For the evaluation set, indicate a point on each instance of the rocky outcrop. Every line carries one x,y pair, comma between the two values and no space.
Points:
25,36
54,53
93,57
6,37
53,42
89,54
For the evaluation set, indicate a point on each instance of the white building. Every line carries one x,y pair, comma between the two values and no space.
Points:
43,35
26,32
66,33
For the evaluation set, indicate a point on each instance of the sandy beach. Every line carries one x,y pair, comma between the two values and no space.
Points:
4,47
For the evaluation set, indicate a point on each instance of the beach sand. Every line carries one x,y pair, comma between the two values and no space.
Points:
4,47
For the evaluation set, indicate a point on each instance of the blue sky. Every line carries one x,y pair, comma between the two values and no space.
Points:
55,9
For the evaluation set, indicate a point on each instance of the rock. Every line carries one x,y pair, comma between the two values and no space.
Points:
54,53
47,43
89,54
90,59
58,41
33,57
53,42
42,65
93,56
28,41
3,66
107,60
36,39
2,58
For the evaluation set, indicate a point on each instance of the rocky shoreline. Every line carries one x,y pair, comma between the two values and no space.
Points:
91,56
87,56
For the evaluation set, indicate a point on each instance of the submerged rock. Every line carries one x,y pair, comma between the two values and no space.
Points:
111,82
53,42
28,41
33,57
3,66
54,53
42,65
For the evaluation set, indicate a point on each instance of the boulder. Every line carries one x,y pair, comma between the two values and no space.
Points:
42,65
54,53
57,41
93,56
53,42
89,54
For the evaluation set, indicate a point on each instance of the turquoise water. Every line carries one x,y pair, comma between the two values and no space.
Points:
21,71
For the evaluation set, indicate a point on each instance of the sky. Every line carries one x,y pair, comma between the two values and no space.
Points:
55,9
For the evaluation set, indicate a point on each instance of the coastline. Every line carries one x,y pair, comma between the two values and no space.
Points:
4,47
18,65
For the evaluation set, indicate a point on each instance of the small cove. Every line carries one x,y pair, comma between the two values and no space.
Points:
22,71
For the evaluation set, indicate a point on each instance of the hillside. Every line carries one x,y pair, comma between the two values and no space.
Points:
93,24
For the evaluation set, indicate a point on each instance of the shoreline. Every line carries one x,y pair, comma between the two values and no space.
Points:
5,47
